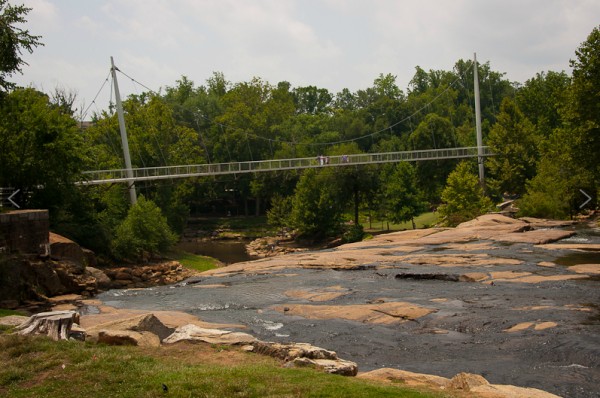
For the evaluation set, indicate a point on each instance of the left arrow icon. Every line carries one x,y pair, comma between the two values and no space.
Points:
12,201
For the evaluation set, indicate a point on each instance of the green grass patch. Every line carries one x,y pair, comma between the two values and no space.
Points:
38,367
10,312
425,220
194,261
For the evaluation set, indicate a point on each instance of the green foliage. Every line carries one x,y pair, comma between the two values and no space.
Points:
514,141
401,199
42,151
13,40
570,156
317,206
278,215
434,132
548,193
583,109
353,233
145,229
463,197
554,191
542,98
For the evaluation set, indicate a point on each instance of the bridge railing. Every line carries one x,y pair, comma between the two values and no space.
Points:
198,170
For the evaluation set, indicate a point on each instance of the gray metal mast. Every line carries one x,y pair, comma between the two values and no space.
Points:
478,123
129,171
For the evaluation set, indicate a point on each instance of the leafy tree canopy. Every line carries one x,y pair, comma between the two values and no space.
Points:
13,41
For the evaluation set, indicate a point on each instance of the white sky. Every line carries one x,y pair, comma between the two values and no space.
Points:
331,44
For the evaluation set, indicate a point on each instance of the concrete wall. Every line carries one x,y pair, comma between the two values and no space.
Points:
25,231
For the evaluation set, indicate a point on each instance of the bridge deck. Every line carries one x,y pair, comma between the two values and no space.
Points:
199,170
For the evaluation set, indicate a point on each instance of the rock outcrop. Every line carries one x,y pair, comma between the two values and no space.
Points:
474,385
140,276
141,323
306,355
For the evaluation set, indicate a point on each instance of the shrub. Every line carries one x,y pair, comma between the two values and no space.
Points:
145,229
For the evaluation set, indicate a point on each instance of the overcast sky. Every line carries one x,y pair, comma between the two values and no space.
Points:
331,44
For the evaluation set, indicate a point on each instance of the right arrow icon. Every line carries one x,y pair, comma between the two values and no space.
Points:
587,196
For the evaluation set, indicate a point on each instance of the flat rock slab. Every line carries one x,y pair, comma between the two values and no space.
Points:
212,336
381,313
13,320
172,319
325,294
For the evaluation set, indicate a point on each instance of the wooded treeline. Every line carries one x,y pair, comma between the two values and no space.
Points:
544,132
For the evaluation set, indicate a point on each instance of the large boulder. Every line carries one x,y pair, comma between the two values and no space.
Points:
102,280
140,323
62,248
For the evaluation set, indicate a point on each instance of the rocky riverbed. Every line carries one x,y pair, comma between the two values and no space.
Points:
515,301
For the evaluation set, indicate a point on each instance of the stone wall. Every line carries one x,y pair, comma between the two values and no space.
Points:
25,232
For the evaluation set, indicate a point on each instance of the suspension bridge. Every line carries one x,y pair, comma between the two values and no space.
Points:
199,170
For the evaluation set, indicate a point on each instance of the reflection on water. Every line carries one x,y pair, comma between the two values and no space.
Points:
228,252
577,258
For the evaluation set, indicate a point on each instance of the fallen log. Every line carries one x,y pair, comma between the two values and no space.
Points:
56,324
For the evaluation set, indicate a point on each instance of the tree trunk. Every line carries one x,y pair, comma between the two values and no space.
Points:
56,324
356,205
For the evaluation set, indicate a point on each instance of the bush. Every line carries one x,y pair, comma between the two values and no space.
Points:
463,197
354,233
145,229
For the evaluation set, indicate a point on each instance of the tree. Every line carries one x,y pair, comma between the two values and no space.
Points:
434,132
549,193
145,229
583,111
13,40
42,150
279,213
401,196
514,141
542,98
317,206
463,197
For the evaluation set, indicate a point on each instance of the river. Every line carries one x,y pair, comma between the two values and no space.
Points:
466,333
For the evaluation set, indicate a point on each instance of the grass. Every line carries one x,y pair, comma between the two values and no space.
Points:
194,261
4,312
424,220
39,367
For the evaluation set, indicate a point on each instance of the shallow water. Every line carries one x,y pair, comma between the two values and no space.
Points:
228,252
564,360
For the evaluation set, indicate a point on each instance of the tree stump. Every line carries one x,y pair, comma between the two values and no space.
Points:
56,324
